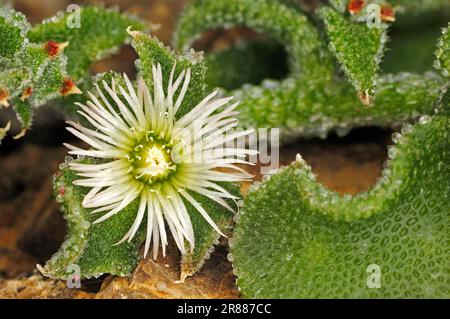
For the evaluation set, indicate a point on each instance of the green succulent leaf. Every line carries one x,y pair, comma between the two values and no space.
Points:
13,30
26,63
357,47
151,51
14,80
301,105
91,246
24,112
295,239
308,56
100,33
311,108
339,5
48,82
442,62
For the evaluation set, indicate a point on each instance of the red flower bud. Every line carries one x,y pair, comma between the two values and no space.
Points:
387,13
4,96
54,48
355,6
26,93
69,87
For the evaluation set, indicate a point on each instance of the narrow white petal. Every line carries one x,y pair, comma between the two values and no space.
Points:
156,236
137,222
183,216
125,112
202,211
127,200
150,228
171,215
161,227
183,91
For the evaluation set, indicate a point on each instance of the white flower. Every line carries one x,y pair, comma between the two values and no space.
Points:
146,153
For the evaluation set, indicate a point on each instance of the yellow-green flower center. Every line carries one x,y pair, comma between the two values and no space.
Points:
151,160
156,161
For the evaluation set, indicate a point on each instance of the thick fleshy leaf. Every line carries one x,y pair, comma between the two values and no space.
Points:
91,246
14,80
358,48
35,79
100,33
24,113
13,32
301,105
442,62
35,64
152,51
316,108
339,5
308,56
296,239
323,107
